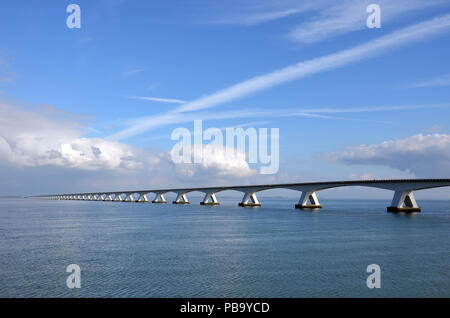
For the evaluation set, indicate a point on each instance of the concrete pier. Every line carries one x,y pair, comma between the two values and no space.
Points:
181,199
310,196
403,201
142,198
210,199
249,196
159,198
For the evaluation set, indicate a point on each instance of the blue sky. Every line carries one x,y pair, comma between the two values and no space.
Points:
383,111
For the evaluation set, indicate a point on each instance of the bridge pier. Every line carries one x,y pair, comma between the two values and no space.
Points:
129,198
159,198
118,197
210,199
403,201
310,196
247,197
142,198
181,199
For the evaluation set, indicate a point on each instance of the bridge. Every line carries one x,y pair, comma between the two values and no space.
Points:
403,199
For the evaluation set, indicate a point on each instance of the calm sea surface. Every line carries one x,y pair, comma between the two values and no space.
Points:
151,250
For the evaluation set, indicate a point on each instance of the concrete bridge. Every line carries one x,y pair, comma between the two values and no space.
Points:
403,200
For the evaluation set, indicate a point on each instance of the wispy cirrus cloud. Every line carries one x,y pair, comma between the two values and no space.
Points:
142,124
372,109
312,115
266,11
319,112
270,16
321,64
410,34
132,71
334,18
328,18
159,99
439,81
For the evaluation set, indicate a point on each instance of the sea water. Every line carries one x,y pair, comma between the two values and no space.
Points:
166,250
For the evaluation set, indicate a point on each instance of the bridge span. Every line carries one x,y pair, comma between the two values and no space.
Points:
403,199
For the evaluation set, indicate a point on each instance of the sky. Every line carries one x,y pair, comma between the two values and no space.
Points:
93,108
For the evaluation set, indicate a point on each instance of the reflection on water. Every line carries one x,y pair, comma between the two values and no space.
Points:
150,250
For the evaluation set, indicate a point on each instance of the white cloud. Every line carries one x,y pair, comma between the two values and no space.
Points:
216,161
47,139
424,155
158,99
440,81
38,137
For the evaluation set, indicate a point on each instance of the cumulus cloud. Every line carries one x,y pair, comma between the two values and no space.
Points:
39,145
216,160
426,156
47,136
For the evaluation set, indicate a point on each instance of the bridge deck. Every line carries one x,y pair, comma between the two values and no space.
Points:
381,183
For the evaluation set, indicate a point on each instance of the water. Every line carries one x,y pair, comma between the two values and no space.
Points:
151,250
